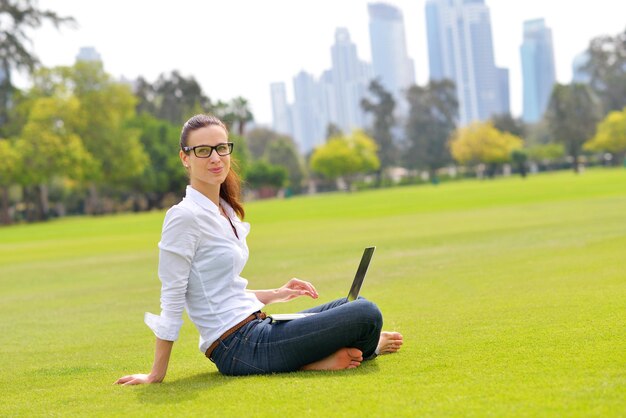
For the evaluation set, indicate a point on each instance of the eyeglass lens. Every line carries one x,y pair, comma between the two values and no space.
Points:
205,151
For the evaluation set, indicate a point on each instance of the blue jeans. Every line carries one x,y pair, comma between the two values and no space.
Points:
263,346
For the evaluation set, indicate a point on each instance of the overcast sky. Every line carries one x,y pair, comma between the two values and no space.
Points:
238,47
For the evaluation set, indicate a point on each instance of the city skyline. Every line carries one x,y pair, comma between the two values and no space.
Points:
263,46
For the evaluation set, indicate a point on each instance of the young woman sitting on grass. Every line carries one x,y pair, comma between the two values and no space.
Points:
201,255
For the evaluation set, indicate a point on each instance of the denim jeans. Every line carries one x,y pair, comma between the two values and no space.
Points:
263,346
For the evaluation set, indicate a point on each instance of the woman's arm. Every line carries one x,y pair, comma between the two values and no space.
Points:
290,290
176,250
162,353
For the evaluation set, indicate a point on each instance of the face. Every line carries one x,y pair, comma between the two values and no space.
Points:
206,172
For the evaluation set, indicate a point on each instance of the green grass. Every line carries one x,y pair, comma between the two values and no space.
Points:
511,295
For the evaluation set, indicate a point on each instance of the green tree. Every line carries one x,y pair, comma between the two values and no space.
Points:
545,155
106,109
480,142
607,70
432,119
506,123
163,173
50,148
239,114
346,157
282,152
384,121
9,171
610,135
259,140
240,157
16,18
572,115
266,178
173,97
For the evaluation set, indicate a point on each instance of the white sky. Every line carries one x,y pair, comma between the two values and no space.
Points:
238,47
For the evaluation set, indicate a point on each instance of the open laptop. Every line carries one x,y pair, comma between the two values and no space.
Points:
355,288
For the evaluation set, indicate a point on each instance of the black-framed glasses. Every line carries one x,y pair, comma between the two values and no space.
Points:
205,151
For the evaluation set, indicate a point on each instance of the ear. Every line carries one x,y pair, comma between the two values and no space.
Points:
184,158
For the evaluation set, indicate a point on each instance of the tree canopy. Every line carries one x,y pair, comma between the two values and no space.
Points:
611,134
383,121
346,156
480,142
572,115
17,17
432,119
606,67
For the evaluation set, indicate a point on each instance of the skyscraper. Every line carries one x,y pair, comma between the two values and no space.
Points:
538,74
350,78
309,112
281,111
504,95
88,53
460,48
390,60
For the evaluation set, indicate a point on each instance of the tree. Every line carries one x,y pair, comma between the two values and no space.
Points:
164,173
16,17
282,152
610,135
545,154
504,122
384,120
480,142
259,140
346,156
572,115
606,67
50,148
519,158
106,109
173,97
266,178
332,130
239,114
432,118
9,169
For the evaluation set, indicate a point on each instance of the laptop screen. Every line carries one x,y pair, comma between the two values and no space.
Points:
360,273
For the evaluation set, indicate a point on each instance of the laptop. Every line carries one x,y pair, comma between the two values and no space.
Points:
353,293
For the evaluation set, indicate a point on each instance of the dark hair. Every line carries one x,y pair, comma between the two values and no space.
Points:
231,188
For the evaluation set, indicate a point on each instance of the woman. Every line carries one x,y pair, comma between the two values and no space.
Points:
201,254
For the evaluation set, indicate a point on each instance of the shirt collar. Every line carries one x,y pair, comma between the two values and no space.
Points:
200,199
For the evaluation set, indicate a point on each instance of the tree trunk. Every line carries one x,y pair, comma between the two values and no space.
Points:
92,201
5,217
432,173
42,203
576,162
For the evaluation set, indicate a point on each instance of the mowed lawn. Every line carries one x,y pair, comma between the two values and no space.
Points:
511,295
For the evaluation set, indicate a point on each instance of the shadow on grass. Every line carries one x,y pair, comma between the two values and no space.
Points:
189,387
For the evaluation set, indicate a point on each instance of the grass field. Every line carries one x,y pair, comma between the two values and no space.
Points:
511,295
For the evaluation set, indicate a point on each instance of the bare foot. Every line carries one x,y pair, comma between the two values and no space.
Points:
389,342
345,358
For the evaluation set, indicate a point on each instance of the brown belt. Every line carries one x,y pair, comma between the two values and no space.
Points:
256,315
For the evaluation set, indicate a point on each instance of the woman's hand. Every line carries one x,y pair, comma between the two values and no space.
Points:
136,379
290,290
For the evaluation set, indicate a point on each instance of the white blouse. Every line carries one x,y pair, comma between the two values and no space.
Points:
200,262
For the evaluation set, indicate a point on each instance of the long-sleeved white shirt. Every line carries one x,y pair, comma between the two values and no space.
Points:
200,262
